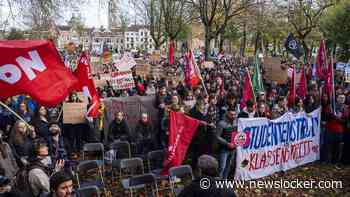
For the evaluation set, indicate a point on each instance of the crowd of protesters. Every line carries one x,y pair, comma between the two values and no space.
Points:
43,143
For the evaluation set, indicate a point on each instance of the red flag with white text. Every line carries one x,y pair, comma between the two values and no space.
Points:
87,85
35,68
181,131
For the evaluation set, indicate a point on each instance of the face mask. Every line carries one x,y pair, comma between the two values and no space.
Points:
47,161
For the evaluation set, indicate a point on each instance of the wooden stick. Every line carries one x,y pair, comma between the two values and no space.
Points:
59,115
13,112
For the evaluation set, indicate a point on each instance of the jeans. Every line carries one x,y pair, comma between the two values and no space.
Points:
333,143
225,163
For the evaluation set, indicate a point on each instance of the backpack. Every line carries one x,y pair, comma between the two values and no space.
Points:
21,182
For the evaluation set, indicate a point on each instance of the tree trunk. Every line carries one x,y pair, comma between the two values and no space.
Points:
221,42
274,46
243,41
256,44
207,44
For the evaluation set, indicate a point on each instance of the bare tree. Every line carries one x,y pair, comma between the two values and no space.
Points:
305,16
215,15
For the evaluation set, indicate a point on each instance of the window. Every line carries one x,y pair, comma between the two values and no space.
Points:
141,33
132,34
146,34
127,39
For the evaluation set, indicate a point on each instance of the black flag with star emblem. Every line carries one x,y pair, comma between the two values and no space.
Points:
293,46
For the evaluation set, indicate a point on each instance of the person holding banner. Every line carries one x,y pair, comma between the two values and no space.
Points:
335,129
224,131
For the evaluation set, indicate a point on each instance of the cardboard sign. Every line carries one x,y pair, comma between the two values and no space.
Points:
208,64
274,71
142,69
122,80
100,82
74,113
126,63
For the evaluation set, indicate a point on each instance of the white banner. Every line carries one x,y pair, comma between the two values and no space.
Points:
122,80
277,145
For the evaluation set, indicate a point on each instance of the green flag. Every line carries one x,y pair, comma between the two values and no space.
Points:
256,79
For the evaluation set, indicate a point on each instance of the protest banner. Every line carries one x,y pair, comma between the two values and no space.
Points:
341,66
122,80
274,71
132,107
347,74
74,113
277,145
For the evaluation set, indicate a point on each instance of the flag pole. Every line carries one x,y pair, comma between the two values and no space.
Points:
251,84
333,89
13,112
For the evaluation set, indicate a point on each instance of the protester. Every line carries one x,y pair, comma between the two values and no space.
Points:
41,122
119,129
40,169
249,111
202,140
6,189
226,146
23,112
61,185
21,140
144,134
55,143
335,130
7,159
208,171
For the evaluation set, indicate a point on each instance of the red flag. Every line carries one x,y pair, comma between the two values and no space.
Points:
34,68
329,84
321,60
86,84
291,94
247,90
171,52
302,89
192,73
181,131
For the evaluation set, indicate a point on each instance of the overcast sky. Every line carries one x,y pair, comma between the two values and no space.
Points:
93,13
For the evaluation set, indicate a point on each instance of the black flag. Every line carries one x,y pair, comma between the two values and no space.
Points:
293,46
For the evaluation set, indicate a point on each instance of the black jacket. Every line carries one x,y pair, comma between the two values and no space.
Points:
118,131
144,131
194,190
